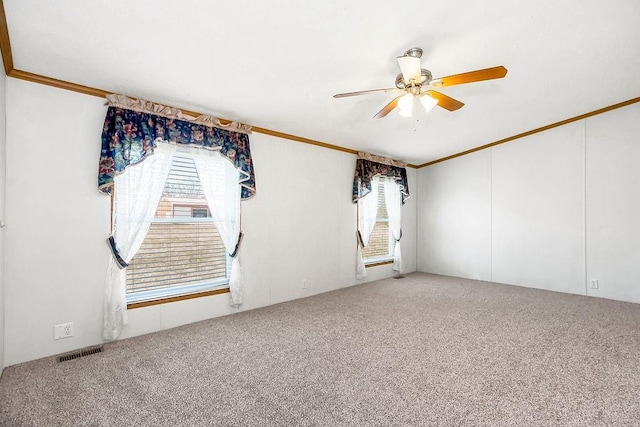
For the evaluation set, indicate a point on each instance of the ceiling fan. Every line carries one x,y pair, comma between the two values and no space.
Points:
417,83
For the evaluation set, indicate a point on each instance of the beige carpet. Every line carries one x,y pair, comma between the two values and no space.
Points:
423,350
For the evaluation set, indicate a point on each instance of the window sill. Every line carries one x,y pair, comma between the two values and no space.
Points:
165,300
378,262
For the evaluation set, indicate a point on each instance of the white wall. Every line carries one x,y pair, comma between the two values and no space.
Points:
3,85
300,225
454,200
552,211
57,221
613,203
537,208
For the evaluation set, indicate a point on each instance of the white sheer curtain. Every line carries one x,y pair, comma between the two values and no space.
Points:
219,180
393,200
367,214
137,193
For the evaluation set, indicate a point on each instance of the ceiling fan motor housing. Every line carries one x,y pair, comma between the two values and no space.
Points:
425,76
425,79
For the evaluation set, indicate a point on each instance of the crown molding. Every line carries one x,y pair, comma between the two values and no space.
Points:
101,93
534,131
60,84
5,44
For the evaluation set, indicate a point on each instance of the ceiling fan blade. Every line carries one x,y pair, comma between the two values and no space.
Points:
472,76
445,101
363,92
387,108
410,67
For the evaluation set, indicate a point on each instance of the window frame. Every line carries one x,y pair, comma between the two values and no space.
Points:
382,259
178,292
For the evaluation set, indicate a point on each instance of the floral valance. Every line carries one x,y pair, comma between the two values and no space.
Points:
132,127
367,168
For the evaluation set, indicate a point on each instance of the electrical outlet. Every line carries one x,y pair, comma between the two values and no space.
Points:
63,330
594,284
304,283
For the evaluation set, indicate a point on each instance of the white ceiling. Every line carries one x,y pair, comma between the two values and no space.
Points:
277,63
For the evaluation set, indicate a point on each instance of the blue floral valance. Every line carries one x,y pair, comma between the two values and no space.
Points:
130,135
366,169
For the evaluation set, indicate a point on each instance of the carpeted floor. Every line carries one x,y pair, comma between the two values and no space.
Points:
423,350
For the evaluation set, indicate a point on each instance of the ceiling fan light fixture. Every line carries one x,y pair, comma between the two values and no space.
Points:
405,112
405,105
410,67
428,102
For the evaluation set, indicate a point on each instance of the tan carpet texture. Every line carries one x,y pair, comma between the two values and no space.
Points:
425,350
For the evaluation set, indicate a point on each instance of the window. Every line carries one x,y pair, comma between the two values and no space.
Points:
182,252
381,243
202,212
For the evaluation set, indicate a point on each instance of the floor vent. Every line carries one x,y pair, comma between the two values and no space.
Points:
81,353
399,276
